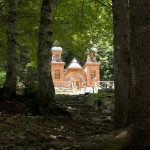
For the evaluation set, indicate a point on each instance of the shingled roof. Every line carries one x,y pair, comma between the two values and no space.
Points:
74,64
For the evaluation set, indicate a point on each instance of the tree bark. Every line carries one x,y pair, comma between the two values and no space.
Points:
121,60
139,104
11,71
45,87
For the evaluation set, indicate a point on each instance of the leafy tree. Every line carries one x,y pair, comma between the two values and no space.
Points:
11,73
28,26
105,56
45,84
27,33
76,23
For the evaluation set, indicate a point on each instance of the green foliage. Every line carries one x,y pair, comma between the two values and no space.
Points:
28,80
106,56
28,25
105,99
99,96
75,24
3,38
2,77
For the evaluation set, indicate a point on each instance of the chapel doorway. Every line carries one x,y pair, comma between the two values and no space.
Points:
77,84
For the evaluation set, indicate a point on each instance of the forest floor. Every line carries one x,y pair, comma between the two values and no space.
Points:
84,127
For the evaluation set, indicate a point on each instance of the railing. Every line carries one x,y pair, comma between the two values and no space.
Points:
102,84
105,84
67,87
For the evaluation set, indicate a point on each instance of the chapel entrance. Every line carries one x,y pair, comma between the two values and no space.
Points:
77,84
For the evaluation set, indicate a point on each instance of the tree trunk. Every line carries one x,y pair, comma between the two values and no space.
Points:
11,72
121,60
45,88
139,104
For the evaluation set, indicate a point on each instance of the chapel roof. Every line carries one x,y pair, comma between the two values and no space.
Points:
93,49
74,64
56,48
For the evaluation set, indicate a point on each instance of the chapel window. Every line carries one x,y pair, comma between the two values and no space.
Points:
56,56
57,74
93,74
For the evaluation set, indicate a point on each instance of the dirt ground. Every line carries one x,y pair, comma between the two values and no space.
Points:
22,131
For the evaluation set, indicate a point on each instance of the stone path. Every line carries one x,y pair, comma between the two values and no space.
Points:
86,127
86,110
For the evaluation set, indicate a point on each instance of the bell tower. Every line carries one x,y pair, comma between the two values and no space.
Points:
92,67
57,66
56,54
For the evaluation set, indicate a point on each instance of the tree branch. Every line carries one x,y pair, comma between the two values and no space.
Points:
103,4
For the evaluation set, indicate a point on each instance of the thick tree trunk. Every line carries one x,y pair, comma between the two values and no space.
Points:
139,104
11,72
121,60
45,88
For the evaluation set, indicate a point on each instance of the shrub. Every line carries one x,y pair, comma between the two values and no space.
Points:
104,98
2,77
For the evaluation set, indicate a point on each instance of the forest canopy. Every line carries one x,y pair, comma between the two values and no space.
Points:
28,31
75,24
